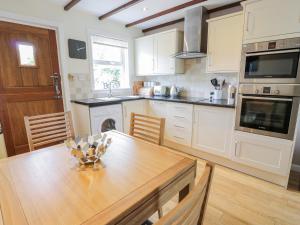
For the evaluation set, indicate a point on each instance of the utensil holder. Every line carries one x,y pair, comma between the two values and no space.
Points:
217,94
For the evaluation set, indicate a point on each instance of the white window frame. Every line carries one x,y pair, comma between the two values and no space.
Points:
101,91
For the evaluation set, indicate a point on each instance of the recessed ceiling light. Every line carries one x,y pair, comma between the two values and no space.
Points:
145,9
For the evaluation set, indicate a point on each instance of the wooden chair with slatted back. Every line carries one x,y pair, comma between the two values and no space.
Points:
190,210
148,128
47,129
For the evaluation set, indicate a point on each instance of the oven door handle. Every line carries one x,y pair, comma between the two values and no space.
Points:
266,98
273,52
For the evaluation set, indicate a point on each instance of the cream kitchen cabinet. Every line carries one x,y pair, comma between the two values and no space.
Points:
144,55
262,152
128,107
179,123
271,19
155,54
157,108
213,129
225,34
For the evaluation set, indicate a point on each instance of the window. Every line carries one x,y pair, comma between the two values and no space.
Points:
110,63
26,54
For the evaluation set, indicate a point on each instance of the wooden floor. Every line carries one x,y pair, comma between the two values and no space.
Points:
294,181
238,199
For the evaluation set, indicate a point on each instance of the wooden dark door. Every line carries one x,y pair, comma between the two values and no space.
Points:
29,69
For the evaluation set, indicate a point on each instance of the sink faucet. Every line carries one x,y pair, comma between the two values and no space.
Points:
109,89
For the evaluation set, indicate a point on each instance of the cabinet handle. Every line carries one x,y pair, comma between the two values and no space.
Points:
247,22
178,137
209,59
236,153
180,117
178,126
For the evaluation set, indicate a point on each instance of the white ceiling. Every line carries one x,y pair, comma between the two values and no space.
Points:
136,12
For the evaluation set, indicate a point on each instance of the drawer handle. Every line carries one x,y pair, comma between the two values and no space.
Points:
181,117
178,126
236,153
178,137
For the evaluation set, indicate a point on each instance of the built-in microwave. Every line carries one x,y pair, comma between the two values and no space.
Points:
271,62
269,110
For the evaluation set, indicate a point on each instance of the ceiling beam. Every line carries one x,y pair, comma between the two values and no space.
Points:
224,7
71,4
164,12
120,8
163,25
235,4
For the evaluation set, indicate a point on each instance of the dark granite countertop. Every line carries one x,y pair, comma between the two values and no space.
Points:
93,102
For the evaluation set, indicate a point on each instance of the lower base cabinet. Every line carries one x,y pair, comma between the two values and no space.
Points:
179,123
213,129
136,106
262,152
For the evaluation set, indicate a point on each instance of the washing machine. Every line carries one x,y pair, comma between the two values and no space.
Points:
105,118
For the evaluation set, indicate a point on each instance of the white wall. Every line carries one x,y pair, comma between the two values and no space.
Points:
74,24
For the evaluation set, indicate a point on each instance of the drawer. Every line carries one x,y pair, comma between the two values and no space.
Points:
180,111
181,135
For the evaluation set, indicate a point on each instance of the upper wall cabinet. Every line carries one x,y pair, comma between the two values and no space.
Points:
154,54
271,19
224,43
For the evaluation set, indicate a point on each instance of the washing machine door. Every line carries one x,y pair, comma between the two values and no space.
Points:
106,118
101,124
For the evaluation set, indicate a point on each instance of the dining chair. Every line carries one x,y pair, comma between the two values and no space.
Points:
47,129
190,210
147,128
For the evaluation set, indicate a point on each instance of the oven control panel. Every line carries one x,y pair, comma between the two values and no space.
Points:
271,89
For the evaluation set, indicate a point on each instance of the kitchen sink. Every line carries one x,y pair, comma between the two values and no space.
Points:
109,99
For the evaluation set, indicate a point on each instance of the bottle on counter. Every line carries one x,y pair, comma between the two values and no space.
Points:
231,94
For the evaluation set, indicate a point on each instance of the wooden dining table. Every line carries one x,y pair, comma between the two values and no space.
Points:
46,187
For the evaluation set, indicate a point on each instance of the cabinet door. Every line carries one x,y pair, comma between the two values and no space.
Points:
212,130
164,50
225,43
137,106
264,20
144,56
157,108
262,152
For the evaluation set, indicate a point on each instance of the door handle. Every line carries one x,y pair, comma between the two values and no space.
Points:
55,78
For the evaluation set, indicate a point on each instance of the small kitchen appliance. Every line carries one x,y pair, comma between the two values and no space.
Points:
174,91
161,91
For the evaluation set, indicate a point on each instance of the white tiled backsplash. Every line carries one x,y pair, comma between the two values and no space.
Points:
195,81
81,88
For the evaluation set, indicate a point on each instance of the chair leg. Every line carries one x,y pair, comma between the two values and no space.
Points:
160,213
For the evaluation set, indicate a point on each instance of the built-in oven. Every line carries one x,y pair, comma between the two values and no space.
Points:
271,62
269,110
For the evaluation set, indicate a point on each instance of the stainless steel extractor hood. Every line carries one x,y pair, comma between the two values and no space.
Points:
195,34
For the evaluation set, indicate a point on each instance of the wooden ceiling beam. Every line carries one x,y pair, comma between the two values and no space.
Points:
120,8
224,7
164,12
235,4
71,4
163,25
